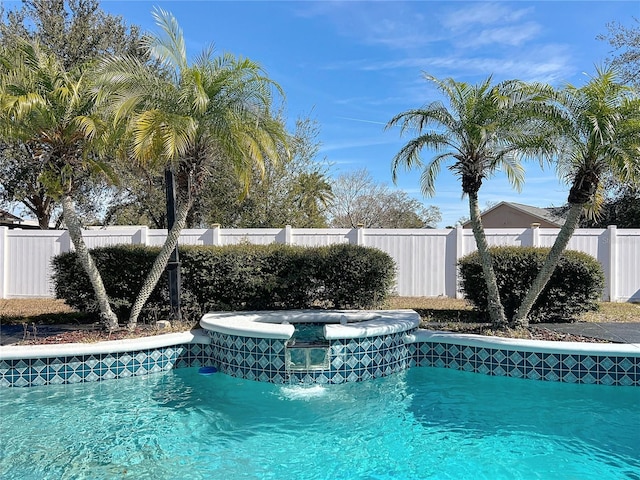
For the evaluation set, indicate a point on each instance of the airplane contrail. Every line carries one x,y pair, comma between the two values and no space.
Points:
362,120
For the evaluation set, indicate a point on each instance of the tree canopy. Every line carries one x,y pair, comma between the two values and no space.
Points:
626,50
75,32
483,128
359,200
50,112
216,107
295,190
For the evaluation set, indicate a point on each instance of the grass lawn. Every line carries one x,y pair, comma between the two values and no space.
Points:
443,309
39,310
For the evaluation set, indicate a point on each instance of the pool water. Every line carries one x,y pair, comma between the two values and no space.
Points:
422,423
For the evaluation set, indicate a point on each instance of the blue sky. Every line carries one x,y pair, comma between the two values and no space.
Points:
354,65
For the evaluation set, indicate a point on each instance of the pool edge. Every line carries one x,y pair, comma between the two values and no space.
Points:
569,362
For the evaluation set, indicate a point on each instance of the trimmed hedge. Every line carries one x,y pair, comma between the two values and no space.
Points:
575,286
123,269
237,277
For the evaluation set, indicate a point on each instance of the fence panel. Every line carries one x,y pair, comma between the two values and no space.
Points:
627,265
258,236
426,259
29,261
106,238
200,236
519,237
420,256
319,237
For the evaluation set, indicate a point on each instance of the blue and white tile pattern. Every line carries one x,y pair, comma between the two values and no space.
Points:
96,367
350,360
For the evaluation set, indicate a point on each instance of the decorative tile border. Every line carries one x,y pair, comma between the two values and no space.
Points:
351,360
23,366
604,364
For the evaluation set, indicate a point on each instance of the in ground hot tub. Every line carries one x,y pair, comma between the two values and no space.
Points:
310,346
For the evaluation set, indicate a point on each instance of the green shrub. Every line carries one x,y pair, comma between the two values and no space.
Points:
357,277
237,277
575,286
123,269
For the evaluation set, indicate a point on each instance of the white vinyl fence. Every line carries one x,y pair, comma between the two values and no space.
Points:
426,259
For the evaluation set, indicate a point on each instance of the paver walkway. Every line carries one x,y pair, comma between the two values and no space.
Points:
628,332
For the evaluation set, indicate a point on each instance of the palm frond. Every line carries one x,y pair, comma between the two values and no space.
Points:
429,174
512,167
409,155
168,47
215,107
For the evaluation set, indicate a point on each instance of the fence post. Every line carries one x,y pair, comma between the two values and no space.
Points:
613,262
288,235
215,235
360,234
144,235
535,234
459,254
4,261
66,245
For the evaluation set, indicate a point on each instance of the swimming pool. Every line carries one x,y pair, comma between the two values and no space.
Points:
420,423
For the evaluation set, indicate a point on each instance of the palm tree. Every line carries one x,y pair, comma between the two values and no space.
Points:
312,195
486,128
600,137
185,118
51,112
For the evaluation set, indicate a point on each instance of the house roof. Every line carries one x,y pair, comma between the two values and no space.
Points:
9,217
546,214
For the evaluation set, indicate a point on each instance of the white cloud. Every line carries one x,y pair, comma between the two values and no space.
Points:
548,64
397,25
482,14
513,35
356,143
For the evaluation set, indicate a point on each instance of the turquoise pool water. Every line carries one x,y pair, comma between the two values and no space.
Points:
423,423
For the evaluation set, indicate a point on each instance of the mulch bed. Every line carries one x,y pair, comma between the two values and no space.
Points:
89,335
96,334
530,333
538,333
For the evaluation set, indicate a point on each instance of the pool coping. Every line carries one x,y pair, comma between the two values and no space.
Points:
200,336
338,324
525,345
18,352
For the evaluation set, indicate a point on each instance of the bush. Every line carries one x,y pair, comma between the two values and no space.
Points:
357,277
123,269
238,277
575,286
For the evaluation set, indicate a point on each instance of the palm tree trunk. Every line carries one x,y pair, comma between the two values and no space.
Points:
494,305
159,264
107,317
550,263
